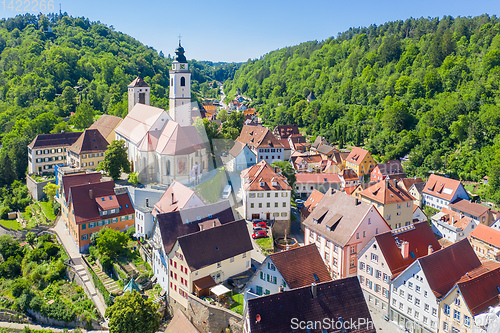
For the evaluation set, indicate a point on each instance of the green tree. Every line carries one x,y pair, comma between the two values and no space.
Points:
115,160
6,171
132,314
111,242
133,178
50,191
287,170
68,100
222,115
84,116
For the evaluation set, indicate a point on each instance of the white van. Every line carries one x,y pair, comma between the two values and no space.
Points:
226,192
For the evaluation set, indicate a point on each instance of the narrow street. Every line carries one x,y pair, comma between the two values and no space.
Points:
72,250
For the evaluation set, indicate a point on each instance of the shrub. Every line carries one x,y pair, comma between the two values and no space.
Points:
131,232
30,238
50,249
45,238
36,303
59,311
133,178
93,254
56,208
4,212
19,286
106,263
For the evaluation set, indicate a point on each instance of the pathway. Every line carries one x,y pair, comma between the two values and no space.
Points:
21,327
108,283
76,258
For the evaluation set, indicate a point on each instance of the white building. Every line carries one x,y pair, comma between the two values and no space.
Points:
452,226
262,142
162,146
417,291
266,194
241,157
439,191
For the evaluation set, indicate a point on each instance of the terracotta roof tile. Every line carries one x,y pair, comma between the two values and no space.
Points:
335,299
301,266
419,237
466,206
90,141
284,131
106,124
406,183
79,179
328,178
65,139
262,172
386,192
481,292
445,267
441,187
486,234
175,198
138,82
357,155
258,137
453,218
107,202
348,174
207,247
311,202
180,323
141,120
389,168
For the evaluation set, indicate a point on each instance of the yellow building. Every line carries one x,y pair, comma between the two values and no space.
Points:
392,202
88,151
472,295
361,161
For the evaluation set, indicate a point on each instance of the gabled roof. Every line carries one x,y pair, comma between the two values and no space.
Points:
179,223
419,237
350,189
348,174
237,148
334,300
357,155
482,291
175,198
85,206
453,218
317,178
326,149
318,142
180,323
258,137
468,207
262,172
347,212
106,124
390,168
311,202
179,140
486,234
138,82
90,140
301,266
285,143
64,139
301,158
141,120
207,247
107,202
284,131
386,192
79,179
408,182
445,267
418,186
441,187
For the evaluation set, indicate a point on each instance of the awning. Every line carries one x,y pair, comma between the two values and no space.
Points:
204,283
219,290
138,234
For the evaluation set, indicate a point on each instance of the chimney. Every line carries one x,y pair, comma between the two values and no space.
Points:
91,194
395,182
214,223
356,201
430,250
405,250
172,198
314,291
281,289
147,202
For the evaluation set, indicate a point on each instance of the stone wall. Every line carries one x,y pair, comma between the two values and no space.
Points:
279,228
208,318
36,189
39,318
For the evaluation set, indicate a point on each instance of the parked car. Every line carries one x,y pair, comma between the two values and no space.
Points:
299,203
260,225
256,220
259,234
259,229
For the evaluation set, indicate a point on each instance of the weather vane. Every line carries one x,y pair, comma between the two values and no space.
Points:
180,39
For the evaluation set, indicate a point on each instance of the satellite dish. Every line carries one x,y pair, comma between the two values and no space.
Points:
257,317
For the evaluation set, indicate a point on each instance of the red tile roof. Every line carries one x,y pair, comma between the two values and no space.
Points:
54,140
175,198
301,266
386,192
90,141
262,172
107,202
408,182
258,137
348,174
357,155
285,143
389,168
311,202
419,237
486,234
106,124
317,178
481,292
350,189
284,131
453,218
445,267
79,179
468,207
441,187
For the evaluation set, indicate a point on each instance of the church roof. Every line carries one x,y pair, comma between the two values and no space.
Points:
141,120
138,82
177,140
180,57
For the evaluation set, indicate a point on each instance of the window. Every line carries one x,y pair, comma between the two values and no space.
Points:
362,266
336,248
353,249
385,292
457,301
357,235
410,297
361,279
426,307
335,262
284,214
394,302
353,264
183,81
456,315
386,278
268,204
409,311
368,283
445,326
258,289
91,224
425,293
401,293
275,205
417,289
417,302
251,205
410,285
276,195
377,288
466,320
434,312
369,269
262,275
378,274
374,257
284,204
447,309
416,314
260,205
85,237
84,226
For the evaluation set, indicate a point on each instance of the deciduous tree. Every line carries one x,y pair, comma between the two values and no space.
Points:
115,159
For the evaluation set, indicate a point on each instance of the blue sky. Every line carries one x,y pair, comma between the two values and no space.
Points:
238,30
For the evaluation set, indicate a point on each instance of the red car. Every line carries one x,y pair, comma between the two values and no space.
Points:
259,234
260,225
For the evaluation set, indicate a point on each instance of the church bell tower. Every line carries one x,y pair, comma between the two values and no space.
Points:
180,89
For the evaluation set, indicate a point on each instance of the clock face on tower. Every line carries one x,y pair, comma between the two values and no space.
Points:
183,66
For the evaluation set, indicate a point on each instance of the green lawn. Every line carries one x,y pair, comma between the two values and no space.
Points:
238,303
264,243
211,189
48,209
11,224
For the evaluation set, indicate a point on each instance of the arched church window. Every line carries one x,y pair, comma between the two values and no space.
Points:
183,81
168,168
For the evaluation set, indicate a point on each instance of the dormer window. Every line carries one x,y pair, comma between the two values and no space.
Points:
275,183
262,184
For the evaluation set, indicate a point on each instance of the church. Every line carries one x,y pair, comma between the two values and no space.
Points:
164,146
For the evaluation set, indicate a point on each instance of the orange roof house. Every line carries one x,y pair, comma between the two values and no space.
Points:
486,242
440,191
361,161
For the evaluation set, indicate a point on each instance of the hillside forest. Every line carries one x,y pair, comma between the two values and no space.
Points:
424,88
54,65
